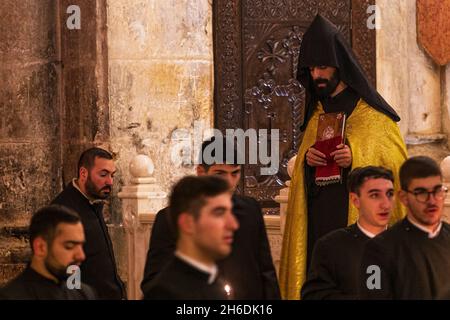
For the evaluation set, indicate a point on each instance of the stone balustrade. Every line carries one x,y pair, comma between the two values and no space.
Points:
140,202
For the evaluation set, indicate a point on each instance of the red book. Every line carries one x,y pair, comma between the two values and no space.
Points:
330,134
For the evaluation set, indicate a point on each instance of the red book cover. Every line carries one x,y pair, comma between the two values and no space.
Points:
330,134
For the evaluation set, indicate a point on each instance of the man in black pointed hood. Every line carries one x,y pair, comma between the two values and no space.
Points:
334,82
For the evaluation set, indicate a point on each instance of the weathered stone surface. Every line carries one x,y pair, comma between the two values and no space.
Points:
446,103
160,79
79,46
29,178
406,76
28,103
85,85
82,115
433,29
10,271
437,151
27,31
392,65
142,29
30,155
148,102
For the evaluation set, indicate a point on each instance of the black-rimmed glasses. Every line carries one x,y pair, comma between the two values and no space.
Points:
423,195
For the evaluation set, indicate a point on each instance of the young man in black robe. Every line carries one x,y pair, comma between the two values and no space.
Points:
336,261
249,269
411,260
86,195
200,211
56,239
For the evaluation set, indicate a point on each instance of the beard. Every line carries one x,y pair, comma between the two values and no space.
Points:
96,193
330,85
58,271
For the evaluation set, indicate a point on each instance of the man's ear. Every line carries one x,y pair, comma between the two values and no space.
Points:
186,223
40,248
201,171
83,173
403,197
355,199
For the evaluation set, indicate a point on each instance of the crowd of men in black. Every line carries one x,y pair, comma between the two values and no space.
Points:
211,243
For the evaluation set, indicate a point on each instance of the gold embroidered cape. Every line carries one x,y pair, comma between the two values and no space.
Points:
374,139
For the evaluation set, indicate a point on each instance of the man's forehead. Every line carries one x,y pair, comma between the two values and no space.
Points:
70,231
371,181
221,200
224,167
104,164
425,183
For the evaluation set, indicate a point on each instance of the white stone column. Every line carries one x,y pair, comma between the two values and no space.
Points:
392,61
406,76
445,167
275,224
140,201
446,98
424,83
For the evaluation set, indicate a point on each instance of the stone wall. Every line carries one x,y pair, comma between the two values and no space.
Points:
409,79
53,102
84,84
160,79
30,155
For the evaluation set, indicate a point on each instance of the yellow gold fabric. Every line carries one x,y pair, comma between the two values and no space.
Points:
374,139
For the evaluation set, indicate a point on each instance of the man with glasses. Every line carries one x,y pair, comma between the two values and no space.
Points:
411,260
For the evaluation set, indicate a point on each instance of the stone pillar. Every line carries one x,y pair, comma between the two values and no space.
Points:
140,200
160,78
445,167
409,79
30,157
84,86
424,83
446,99
392,61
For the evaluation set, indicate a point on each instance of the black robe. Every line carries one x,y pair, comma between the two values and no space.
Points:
328,205
335,269
180,281
412,265
99,269
248,269
30,285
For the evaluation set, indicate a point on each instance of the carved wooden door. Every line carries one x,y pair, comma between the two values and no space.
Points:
256,45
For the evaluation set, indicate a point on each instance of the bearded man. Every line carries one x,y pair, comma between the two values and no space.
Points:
334,82
56,240
86,195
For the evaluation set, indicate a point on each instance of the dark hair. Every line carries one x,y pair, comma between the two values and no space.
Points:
189,194
418,167
45,221
359,175
228,150
88,156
